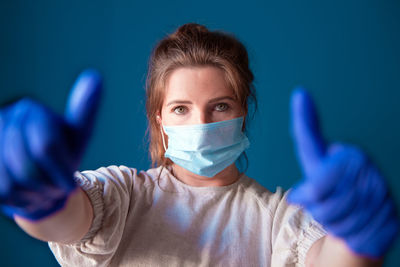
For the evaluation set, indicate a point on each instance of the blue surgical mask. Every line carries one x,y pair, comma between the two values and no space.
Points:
206,149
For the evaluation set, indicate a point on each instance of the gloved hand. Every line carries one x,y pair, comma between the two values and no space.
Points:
341,188
40,150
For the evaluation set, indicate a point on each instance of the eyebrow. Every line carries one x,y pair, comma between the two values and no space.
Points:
211,101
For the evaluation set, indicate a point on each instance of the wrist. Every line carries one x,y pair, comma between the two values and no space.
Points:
42,205
66,225
333,251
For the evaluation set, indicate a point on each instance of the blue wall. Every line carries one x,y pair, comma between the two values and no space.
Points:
346,53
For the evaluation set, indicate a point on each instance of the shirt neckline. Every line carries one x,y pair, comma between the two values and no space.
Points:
181,184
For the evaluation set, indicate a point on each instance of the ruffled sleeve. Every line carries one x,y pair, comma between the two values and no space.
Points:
109,190
293,233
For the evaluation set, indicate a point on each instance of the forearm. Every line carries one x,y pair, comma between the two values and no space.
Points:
331,251
65,226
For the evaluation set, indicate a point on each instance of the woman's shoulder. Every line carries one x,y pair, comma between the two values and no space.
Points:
118,175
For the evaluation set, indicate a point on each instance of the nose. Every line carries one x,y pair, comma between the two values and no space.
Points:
202,117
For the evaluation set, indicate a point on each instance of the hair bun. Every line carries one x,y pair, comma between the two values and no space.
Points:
190,29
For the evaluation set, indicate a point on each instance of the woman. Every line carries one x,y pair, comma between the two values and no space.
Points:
195,208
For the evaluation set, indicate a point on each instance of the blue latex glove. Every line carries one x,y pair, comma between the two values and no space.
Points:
341,187
40,150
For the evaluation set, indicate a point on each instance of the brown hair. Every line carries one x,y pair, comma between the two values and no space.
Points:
193,45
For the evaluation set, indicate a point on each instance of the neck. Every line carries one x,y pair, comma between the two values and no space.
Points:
226,177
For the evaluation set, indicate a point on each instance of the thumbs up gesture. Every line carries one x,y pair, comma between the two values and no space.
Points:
40,150
341,188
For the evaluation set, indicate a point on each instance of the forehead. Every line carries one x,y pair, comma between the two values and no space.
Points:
197,83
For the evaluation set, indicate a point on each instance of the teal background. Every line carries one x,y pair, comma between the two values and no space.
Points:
345,52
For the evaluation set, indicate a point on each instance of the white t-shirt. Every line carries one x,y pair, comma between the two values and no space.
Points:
153,219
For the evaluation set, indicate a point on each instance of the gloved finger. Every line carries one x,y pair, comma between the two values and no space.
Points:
41,200
379,242
345,164
50,208
336,207
47,144
371,193
10,186
323,181
5,179
7,210
340,170
336,148
375,238
83,102
18,199
35,204
309,143
338,203
17,159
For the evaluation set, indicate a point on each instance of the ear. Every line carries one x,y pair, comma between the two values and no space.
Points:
159,120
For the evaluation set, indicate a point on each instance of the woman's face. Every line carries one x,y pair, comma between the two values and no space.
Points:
198,95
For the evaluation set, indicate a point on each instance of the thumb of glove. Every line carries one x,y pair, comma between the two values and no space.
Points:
82,105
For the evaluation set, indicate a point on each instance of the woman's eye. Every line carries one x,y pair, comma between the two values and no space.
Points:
221,107
179,110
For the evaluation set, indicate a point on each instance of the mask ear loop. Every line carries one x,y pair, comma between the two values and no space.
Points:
163,141
162,132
